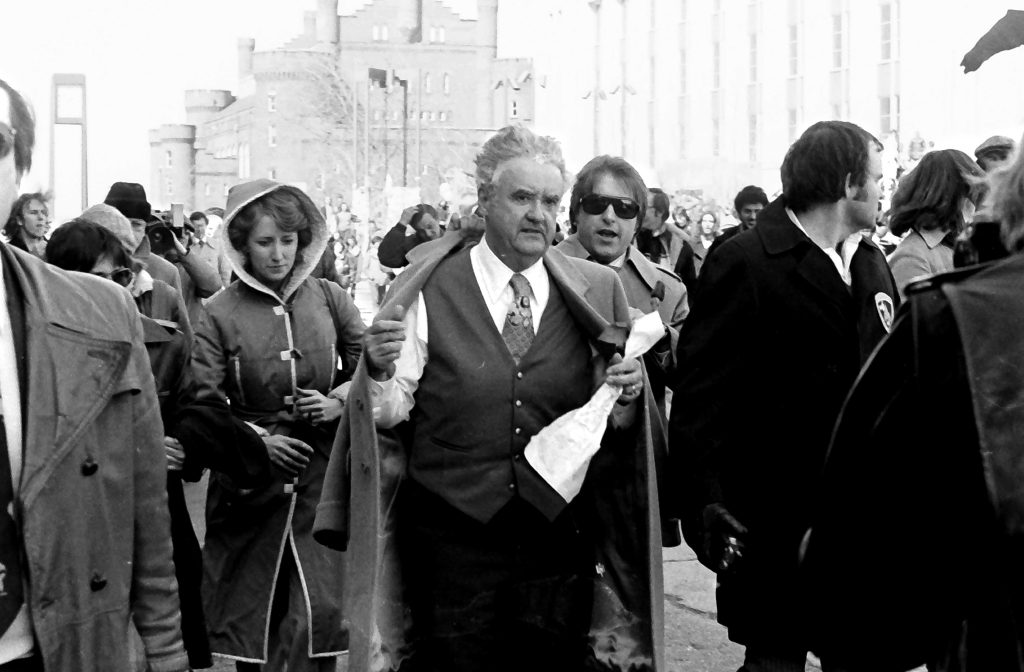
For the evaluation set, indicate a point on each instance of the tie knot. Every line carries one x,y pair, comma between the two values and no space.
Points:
520,285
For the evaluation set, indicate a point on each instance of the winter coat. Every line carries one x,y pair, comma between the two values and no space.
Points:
254,348
92,500
355,511
766,357
916,545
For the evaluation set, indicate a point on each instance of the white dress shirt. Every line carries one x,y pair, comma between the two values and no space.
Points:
393,398
842,259
18,640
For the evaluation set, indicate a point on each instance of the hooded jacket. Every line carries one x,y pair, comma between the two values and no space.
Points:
256,347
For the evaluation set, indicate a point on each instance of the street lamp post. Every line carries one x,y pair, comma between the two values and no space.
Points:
596,6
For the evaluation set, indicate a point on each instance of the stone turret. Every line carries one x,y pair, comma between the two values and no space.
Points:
201,104
327,21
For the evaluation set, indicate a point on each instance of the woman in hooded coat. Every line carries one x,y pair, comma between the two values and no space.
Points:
270,344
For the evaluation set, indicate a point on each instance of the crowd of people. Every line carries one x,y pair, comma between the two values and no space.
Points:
828,411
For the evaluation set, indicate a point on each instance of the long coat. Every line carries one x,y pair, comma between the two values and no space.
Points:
92,499
921,504
255,348
365,470
772,347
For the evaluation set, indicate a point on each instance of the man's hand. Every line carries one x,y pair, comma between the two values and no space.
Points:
382,342
316,407
289,455
626,375
407,215
175,454
724,538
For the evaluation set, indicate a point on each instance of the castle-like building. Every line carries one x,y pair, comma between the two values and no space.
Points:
396,92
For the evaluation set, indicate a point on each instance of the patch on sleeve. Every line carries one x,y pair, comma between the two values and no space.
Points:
883,302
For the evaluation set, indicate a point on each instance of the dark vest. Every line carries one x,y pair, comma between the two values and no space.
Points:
475,411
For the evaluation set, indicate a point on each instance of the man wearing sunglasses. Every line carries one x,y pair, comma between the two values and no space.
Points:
84,525
608,201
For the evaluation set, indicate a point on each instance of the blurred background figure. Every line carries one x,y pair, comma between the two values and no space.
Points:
994,152
417,225
28,224
269,345
707,231
377,274
930,208
205,248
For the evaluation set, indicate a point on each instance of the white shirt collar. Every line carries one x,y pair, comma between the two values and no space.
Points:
495,275
841,259
620,260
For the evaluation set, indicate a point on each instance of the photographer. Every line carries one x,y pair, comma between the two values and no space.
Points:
199,280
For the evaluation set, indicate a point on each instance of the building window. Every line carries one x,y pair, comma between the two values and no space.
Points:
383,33
753,57
442,116
886,31
837,41
423,115
716,65
376,33
752,137
446,83
272,102
885,115
271,136
792,122
426,83
794,50
168,187
514,114
272,173
433,115
207,190
168,159
440,34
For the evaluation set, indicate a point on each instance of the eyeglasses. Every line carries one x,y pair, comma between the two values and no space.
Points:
122,276
595,204
7,135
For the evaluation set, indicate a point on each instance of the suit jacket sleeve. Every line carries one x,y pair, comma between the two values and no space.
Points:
154,594
712,378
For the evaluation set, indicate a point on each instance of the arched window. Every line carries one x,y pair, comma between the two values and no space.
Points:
426,83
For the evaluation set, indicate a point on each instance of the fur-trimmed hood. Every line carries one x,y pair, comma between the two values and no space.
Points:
242,195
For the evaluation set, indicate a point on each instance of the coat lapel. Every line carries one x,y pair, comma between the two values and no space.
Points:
69,375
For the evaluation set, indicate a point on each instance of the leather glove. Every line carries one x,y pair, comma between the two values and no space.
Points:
724,538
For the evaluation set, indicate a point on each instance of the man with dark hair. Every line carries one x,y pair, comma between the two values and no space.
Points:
749,202
418,224
84,527
661,241
606,203
206,250
788,312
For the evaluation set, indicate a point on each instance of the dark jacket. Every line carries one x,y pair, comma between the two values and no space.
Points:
396,245
355,512
917,542
766,358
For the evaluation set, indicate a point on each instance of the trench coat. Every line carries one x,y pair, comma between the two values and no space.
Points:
366,469
254,348
921,504
92,499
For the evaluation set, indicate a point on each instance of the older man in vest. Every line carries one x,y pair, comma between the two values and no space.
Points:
475,351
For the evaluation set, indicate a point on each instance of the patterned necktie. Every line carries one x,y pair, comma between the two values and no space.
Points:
518,329
10,545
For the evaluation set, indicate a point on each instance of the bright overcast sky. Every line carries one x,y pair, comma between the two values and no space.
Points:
139,57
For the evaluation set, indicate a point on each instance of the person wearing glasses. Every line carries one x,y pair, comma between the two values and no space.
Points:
608,201
476,349
85,534
786,315
28,224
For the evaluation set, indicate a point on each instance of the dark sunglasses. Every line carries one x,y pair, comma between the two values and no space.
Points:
625,208
122,276
7,135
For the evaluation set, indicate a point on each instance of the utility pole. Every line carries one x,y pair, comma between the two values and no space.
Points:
624,90
596,6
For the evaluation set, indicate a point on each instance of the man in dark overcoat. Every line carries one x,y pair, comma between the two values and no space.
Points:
474,352
788,312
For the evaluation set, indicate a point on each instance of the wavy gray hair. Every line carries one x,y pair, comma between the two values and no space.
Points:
1007,184
513,142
